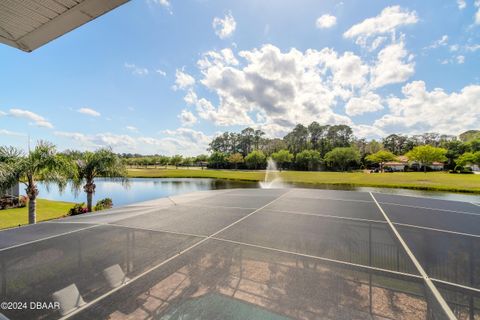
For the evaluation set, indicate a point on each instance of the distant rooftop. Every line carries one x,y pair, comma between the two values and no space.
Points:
30,24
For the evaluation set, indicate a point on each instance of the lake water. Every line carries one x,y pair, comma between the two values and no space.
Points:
143,189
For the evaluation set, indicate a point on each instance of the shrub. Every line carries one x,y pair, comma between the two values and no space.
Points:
103,204
77,209
22,201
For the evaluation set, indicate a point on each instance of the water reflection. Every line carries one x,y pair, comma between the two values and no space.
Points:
140,189
143,189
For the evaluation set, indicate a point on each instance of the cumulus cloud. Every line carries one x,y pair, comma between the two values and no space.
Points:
100,139
461,4
36,119
131,128
187,118
180,141
426,111
370,102
225,27
394,65
460,59
278,89
183,80
161,72
387,21
89,112
136,70
326,21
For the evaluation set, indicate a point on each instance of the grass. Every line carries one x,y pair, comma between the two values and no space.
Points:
46,210
434,181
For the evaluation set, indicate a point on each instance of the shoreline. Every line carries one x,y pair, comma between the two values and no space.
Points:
430,181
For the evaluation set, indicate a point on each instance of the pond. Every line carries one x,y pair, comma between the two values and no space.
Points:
143,189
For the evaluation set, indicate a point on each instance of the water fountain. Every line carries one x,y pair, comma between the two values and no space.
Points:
272,176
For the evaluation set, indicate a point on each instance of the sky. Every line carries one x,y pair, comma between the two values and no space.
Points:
165,76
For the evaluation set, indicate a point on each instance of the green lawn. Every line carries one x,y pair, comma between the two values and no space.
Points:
439,181
46,210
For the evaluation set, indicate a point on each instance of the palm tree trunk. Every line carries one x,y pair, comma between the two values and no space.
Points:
89,201
32,192
32,211
89,189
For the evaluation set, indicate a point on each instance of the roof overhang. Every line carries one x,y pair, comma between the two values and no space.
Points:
29,24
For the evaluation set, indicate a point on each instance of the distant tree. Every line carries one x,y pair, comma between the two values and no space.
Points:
297,139
342,158
101,163
255,159
176,160
426,155
469,158
474,145
395,143
469,135
339,136
188,161
201,159
41,164
454,148
374,146
308,159
217,160
381,157
163,161
282,157
273,145
235,159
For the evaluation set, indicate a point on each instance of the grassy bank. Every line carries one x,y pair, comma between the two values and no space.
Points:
46,210
436,181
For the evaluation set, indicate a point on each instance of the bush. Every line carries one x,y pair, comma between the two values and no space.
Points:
22,201
103,204
77,209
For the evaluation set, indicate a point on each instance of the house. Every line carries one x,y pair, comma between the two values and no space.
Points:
399,165
13,191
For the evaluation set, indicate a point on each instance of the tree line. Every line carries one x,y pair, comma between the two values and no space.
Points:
334,147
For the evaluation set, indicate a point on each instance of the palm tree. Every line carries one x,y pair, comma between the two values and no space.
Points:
101,163
41,164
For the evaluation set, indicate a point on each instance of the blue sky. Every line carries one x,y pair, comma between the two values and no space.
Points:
158,76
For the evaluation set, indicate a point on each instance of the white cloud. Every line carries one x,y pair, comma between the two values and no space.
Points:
38,120
89,112
393,65
136,70
187,118
116,141
443,41
387,21
477,17
183,80
164,3
461,4
11,133
131,128
473,47
225,27
460,59
180,141
454,47
432,111
370,102
161,72
276,90
326,21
